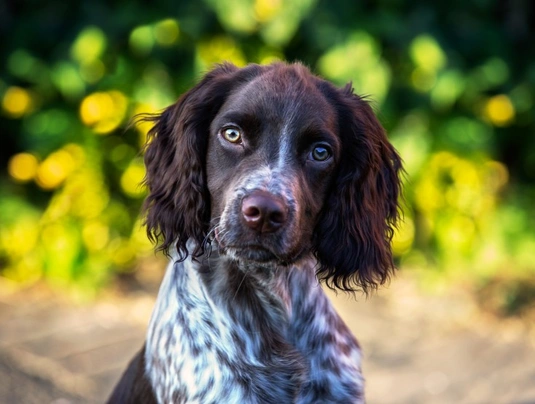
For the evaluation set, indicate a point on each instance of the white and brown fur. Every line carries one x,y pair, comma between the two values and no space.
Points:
263,182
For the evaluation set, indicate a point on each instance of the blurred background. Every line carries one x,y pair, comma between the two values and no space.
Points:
453,82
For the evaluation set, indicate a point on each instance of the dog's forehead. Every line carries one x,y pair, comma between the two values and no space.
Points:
287,97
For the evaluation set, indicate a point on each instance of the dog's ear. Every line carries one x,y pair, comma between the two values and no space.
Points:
353,235
177,208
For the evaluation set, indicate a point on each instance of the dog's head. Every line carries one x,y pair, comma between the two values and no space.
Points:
273,163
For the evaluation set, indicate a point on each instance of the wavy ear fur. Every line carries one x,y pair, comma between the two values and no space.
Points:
353,235
177,208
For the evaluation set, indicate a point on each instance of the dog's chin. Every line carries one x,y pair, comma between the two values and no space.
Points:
259,253
256,254
262,256
253,254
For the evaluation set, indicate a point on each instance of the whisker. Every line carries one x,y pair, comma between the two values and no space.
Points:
209,234
239,286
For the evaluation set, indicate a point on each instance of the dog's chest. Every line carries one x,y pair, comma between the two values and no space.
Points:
197,352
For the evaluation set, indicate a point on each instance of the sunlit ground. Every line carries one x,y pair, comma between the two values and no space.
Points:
417,347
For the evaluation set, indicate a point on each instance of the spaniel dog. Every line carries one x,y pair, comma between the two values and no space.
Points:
263,182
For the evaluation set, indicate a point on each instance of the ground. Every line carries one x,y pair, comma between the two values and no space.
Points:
418,348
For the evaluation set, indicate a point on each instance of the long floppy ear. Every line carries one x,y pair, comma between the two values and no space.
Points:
177,207
353,235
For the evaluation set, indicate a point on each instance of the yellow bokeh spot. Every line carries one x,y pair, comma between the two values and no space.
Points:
17,102
94,107
465,173
89,45
403,237
104,111
95,236
76,152
499,110
426,53
220,49
265,10
460,231
429,197
166,32
455,186
443,158
21,238
22,167
86,193
429,191
132,178
139,239
54,170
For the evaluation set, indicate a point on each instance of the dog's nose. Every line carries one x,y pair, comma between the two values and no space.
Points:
264,213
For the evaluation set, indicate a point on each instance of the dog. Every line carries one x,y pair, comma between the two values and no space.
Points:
263,182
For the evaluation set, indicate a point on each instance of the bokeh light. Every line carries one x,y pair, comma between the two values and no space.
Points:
17,102
104,111
218,50
95,235
358,60
166,32
132,178
141,40
427,54
403,236
53,171
23,167
89,45
499,110
265,10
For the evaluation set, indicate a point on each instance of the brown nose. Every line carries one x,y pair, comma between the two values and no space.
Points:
264,212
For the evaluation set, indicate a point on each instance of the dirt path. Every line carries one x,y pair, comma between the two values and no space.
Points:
423,349
418,349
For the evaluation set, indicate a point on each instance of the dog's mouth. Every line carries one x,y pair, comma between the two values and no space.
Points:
254,252
264,250
261,255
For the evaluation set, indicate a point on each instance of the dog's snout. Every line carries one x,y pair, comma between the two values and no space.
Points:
264,213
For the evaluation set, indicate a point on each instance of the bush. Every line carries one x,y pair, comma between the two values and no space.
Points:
453,83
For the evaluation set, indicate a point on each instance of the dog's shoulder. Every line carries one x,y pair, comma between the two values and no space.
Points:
134,387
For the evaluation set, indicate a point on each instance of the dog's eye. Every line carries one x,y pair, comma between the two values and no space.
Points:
321,153
232,134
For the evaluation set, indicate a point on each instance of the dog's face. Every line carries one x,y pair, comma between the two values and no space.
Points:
272,153
272,163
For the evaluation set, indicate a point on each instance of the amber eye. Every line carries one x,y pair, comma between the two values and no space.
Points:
321,153
231,134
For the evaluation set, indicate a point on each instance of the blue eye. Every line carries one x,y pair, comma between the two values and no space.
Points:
231,134
321,153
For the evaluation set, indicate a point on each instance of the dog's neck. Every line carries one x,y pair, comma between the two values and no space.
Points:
214,315
237,285
218,322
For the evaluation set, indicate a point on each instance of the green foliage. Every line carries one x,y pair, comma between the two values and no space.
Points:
453,83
